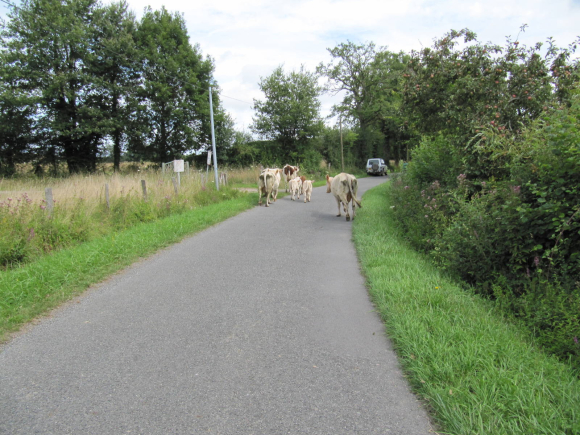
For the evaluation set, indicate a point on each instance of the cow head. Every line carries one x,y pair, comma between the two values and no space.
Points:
328,181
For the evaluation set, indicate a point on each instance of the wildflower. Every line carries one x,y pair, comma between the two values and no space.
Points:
406,187
576,340
43,207
392,206
483,184
516,189
461,177
31,234
426,216
536,261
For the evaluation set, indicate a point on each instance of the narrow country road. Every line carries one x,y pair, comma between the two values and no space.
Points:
258,325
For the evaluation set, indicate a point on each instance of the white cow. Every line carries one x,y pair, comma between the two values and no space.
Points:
268,183
344,188
307,188
295,187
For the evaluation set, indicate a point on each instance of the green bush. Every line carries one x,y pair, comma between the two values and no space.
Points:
549,310
435,159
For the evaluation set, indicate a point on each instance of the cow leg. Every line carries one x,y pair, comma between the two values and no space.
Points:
353,209
339,204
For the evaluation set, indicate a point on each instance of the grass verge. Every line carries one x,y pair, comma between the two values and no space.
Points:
33,289
479,373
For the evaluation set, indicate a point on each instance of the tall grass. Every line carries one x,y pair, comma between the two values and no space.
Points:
30,290
479,373
81,213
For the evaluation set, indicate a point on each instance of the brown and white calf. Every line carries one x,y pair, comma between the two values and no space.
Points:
290,172
295,187
344,187
268,183
307,188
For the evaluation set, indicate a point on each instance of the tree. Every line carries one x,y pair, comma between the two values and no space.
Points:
114,65
470,91
173,107
290,114
48,46
371,79
17,128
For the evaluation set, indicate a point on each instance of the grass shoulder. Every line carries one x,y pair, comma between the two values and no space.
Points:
479,373
35,288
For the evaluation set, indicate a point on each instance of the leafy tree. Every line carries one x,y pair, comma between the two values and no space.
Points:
17,128
173,108
371,79
113,63
290,114
463,88
48,46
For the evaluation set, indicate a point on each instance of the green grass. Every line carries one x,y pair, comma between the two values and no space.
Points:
31,290
478,373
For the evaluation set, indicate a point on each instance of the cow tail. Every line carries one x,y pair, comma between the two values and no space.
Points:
353,187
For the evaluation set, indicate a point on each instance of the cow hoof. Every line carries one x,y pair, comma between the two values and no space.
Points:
347,218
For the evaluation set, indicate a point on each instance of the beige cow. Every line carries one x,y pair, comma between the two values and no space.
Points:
344,188
307,188
295,187
268,183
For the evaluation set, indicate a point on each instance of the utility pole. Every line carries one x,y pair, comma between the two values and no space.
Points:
217,183
341,147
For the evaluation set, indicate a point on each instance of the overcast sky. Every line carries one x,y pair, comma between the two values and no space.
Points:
248,39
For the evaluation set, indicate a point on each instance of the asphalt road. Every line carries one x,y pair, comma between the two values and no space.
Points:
258,325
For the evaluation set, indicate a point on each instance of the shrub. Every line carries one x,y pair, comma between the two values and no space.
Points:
435,159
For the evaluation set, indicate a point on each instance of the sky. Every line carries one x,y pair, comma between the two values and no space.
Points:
249,39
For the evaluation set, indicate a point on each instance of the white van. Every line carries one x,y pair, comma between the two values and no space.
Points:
376,167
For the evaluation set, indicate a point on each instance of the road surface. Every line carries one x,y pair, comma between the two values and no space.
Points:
258,325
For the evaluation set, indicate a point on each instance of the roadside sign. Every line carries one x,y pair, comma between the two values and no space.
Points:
178,166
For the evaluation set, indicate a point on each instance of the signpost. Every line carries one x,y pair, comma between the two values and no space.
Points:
179,167
208,163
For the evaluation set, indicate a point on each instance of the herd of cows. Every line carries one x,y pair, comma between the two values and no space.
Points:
344,187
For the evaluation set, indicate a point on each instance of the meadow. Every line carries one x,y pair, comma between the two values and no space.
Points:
92,205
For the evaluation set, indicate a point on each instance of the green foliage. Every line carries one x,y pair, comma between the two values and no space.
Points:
548,308
435,159
371,80
290,114
479,372
81,80
462,92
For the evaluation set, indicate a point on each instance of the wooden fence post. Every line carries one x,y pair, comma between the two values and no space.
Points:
107,196
49,200
174,184
144,186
